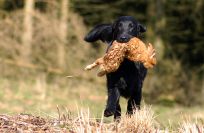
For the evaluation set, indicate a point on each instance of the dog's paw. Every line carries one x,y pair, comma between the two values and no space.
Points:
108,113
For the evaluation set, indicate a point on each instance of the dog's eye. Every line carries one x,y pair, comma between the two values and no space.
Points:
120,24
130,25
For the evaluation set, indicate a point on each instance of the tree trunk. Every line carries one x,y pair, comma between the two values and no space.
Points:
28,30
63,33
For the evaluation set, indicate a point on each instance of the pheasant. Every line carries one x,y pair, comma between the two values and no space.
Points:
134,50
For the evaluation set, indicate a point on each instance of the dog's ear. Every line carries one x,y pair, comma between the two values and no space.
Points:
101,32
141,28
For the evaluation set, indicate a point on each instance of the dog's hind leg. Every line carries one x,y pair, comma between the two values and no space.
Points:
134,103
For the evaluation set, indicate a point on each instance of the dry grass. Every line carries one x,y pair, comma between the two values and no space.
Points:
27,123
142,121
189,127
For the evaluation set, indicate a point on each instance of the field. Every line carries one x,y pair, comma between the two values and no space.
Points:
51,101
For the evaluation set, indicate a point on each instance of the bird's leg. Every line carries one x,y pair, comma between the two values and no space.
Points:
95,64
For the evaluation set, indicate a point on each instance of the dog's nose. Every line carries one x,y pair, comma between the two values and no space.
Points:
123,39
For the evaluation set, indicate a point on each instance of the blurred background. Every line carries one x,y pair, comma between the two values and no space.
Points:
42,55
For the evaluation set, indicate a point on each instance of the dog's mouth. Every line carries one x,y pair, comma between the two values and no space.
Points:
124,39
119,40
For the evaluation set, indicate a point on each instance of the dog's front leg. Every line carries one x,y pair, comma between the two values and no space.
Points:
113,96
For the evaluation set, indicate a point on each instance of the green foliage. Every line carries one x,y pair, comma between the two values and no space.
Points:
95,13
10,5
184,31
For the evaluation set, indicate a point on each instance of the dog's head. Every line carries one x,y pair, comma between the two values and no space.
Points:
122,30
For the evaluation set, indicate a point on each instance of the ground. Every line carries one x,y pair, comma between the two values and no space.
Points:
40,98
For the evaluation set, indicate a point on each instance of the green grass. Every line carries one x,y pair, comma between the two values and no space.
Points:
42,98
173,116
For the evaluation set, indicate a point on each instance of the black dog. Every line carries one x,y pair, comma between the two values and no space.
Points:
127,81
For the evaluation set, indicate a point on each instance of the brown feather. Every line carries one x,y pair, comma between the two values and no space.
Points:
134,50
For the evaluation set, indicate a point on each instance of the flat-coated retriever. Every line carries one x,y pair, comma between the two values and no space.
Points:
127,81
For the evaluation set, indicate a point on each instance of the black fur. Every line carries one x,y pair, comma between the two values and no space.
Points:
127,81
101,32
